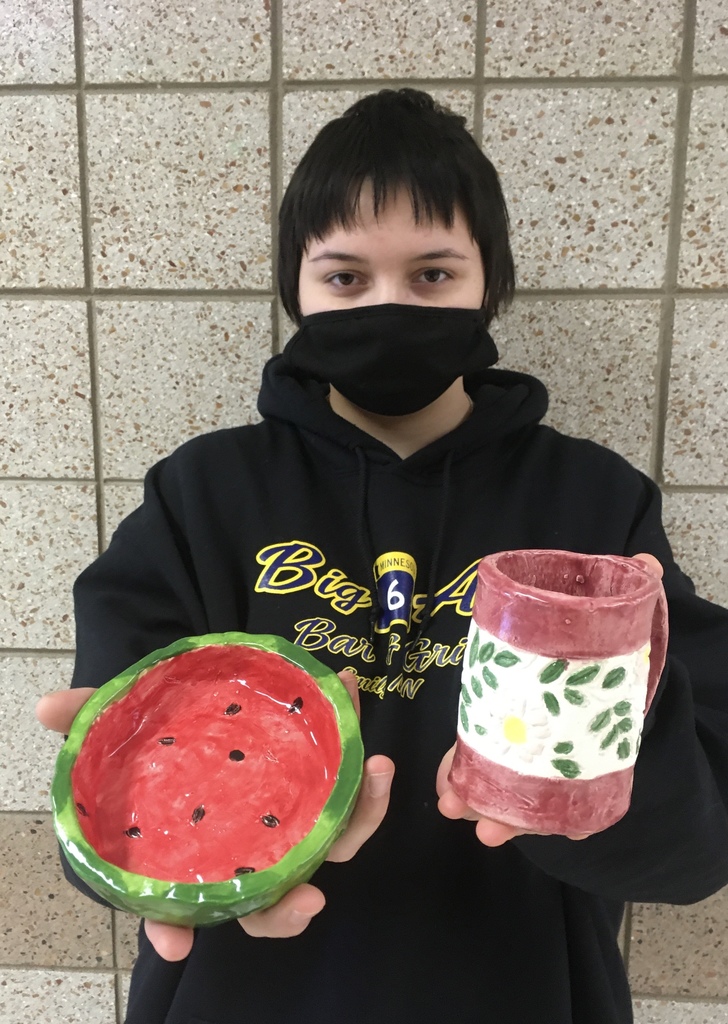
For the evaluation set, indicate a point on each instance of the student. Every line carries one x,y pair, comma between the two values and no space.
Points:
391,458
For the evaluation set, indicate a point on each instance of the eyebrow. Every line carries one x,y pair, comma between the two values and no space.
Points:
347,257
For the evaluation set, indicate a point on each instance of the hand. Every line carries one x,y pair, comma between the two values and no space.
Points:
291,914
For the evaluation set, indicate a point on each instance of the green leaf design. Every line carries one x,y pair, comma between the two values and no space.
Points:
477,686
600,721
563,748
464,717
623,708
574,697
551,703
552,671
569,769
623,749
480,730
614,678
473,650
486,652
584,675
625,725
610,737
465,695
489,679
506,659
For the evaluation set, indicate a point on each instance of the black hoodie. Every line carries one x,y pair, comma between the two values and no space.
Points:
275,528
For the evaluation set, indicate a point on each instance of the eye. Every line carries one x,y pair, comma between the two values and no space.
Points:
431,277
344,279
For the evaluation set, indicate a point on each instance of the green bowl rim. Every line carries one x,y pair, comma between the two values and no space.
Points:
254,886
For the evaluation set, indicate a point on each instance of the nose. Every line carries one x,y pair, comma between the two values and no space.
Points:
388,291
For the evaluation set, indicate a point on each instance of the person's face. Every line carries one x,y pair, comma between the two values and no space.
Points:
392,259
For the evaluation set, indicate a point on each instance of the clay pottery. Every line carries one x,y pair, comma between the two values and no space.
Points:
564,655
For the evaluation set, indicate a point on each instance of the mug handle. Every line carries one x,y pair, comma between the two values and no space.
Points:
658,645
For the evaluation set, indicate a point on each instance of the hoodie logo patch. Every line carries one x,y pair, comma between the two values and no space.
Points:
395,573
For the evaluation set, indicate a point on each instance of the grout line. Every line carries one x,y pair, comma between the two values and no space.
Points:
627,935
132,294
233,295
30,652
276,156
83,177
365,84
672,256
480,27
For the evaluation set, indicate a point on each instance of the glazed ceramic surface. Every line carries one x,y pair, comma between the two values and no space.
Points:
208,779
564,654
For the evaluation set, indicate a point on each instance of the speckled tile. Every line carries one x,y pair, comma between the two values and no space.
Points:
697,412
180,189
587,175
168,371
124,985
711,38
127,932
697,527
680,951
45,394
704,244
656,1011
119,501
36,42
73,997
167,40
40,222
28,751
47,922
608,37
305,113
432,39
47,536
598,359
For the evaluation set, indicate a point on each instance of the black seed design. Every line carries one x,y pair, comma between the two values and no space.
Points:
270,820
244,871
82,810
167,741
232,709
236,755
296,706
134,832
198,814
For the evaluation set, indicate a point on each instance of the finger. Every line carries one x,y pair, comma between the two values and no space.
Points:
371,806
651,563
288,917
441,783
451,806
57,710
496,833
170,940
352,686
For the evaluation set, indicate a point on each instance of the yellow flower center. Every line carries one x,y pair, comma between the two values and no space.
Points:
514,729
647,653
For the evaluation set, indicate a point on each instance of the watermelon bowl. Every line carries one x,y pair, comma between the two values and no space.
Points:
208,779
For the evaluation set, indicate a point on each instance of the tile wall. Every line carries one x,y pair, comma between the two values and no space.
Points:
144,147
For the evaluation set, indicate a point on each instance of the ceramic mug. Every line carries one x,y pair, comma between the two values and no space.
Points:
564,655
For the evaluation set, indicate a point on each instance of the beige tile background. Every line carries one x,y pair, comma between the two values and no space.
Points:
143,154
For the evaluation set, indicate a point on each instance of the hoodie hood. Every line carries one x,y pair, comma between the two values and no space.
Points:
505,404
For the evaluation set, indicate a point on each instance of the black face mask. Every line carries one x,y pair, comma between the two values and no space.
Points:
391,359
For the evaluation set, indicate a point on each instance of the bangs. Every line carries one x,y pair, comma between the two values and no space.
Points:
389,162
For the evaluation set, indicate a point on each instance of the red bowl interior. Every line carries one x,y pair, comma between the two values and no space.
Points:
217,762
